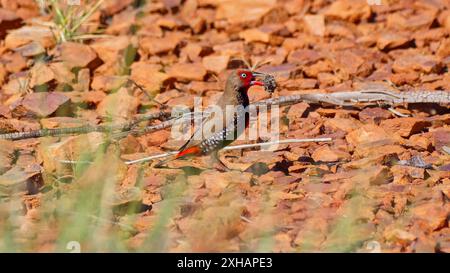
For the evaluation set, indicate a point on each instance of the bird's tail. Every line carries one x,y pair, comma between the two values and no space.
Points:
184,153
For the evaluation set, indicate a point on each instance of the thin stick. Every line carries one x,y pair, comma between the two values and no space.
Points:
446,149
237,147
284,141
397,113
150,158
346,98
125,126
350,98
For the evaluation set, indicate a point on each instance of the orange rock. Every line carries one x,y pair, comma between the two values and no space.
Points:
71,52
231,48
170,4
107,83
315,24
154,45
367,134
120,105
327,79
339,30
156,138
412,172
326,154
3,74
390,40
217,182
321,67
5,111
170,22
419,142
348,10
6,155
44,104
304,56
198,24
8,20
423,18
446,22
254,35
27,34
62,72
186,100
444,49
122,22
216,64
432,215
93,96
187,72
249,10
108,49
349,62
164,97
343,124
114,6
296,111
148,75
415,62
283,72
301,84
380,150
374,114
192,51
30,50
404,78
40,74
425,36
378,175
404,126
15,125
399,236
441,138
14,62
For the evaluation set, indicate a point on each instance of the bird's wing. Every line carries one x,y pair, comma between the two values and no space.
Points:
198,135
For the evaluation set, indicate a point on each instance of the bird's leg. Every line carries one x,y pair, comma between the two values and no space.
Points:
216,163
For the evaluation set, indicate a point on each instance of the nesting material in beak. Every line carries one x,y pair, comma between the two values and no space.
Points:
268,81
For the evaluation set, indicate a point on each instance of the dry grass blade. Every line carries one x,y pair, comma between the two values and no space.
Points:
69,19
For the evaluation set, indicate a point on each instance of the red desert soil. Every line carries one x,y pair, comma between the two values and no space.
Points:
344,195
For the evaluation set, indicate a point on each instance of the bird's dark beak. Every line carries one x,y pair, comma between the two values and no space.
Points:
256,82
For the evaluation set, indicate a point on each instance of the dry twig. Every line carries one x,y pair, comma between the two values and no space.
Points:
346,98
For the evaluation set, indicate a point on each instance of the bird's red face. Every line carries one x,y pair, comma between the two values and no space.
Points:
247,78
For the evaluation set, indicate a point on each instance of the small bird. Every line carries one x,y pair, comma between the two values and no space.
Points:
235,94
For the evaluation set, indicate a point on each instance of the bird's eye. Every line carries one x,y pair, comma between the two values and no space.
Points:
243,75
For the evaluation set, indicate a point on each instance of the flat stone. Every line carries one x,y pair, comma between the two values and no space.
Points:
216,64
76,54
44,103
404,126
187,72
